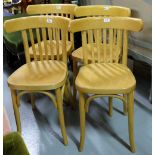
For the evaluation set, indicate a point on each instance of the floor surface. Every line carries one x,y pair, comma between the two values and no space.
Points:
104,135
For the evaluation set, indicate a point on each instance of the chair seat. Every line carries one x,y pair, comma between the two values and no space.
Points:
39,75
105,78
78,53
68,48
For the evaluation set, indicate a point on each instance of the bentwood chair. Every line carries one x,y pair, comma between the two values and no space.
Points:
41,75
65,10
105,75
94,11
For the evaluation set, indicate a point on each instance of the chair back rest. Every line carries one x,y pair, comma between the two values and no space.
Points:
102,10
51,29
100,32
65,10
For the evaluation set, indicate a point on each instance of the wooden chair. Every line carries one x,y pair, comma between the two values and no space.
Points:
105,74
65,10
41,75
95,10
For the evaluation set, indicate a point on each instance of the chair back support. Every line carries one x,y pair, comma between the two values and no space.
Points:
102,10
65,10
100,32
52,30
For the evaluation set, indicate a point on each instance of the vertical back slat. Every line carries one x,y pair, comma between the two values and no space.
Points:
105,44
57,43
64,51
33,45
26,46
111,44
98,44
39,44
45,42
51,42
119,44
84,45
90,42
125,47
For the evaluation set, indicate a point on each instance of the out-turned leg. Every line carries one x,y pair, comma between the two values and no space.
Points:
16,109
110,106
75,71
82,120
61,115
131,120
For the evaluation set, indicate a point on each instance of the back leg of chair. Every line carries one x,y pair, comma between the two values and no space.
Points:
16,109
61,115
82,120
32,100
130,99
110,106
125,106
75,71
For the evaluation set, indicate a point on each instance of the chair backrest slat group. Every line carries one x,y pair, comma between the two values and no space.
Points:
65,10
104,29
43,27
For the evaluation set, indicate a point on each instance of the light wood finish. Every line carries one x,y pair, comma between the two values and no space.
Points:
102,10
16,109
82,120
42,74
94,11
65,10
110,50
106,78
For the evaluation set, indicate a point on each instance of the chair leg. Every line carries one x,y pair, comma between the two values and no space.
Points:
75,71
32,100
82,120
61,115
125,108
131,120
110,106
16,110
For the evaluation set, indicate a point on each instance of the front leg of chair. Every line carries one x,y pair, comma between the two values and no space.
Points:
131,120
32,100
82,120
125,108
16,109
75,71
61,115
110,106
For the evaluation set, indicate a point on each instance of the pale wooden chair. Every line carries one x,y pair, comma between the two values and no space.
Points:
105,74
94,11
41,75
65,10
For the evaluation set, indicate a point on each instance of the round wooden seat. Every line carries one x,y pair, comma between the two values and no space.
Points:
105,78
39,75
